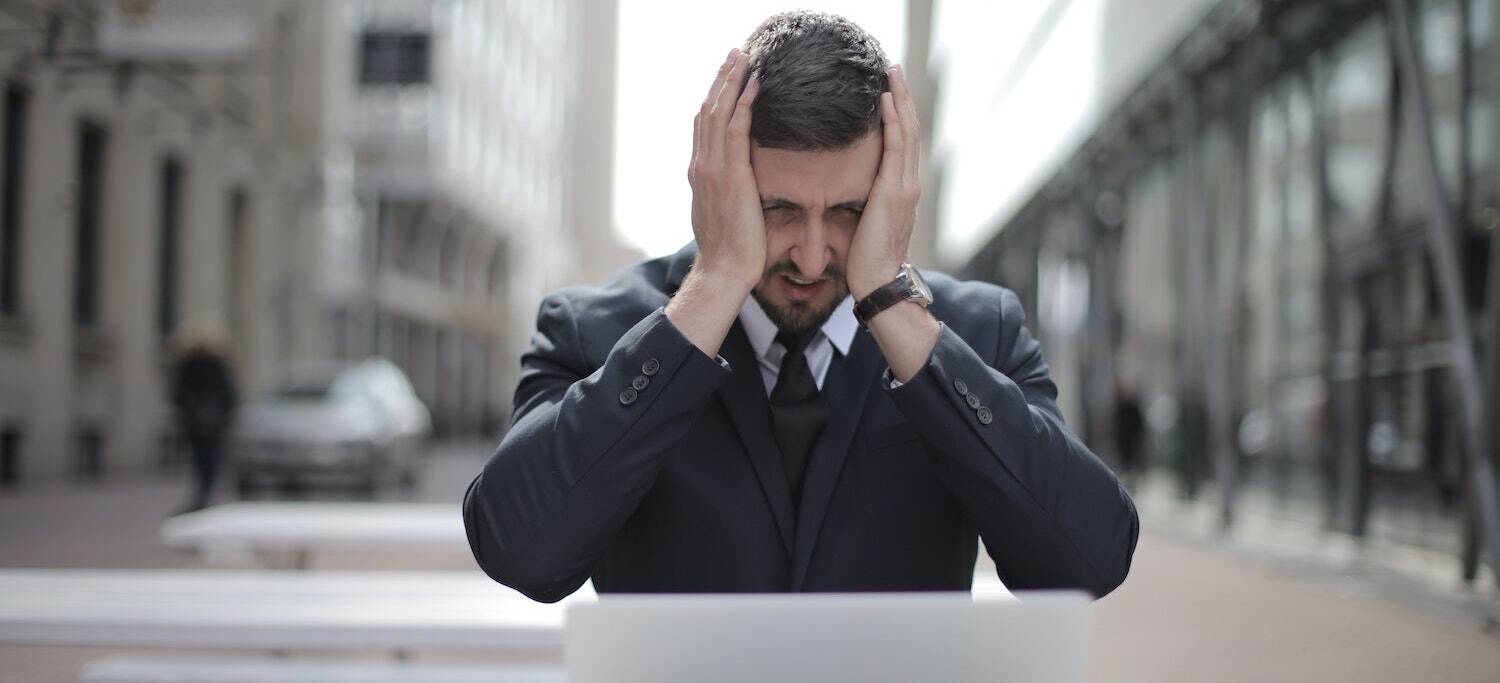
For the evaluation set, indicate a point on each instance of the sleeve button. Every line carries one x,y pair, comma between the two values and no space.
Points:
972,400
650,367
640,383
960,387
628,396
985,416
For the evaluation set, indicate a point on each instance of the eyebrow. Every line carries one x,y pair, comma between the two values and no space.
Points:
782,202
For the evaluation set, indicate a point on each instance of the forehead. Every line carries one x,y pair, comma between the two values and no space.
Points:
818,178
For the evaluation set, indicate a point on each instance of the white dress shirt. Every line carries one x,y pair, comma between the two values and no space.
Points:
837,333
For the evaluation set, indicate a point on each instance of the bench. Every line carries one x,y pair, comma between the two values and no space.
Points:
159,669
277,610
297,534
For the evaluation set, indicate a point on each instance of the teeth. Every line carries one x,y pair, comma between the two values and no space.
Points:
799,280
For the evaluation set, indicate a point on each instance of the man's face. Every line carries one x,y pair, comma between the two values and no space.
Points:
812,203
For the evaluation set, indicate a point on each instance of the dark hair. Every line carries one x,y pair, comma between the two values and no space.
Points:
820,81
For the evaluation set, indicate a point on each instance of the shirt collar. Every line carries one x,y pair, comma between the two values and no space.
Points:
838,329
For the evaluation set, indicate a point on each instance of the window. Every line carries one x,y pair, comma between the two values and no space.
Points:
393,58
170,217
14,150
89,204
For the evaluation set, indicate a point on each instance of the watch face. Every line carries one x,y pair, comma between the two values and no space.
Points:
919,290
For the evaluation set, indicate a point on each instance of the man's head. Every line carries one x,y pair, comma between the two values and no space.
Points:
816,146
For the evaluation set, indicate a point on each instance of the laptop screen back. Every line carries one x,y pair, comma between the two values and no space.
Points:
927,637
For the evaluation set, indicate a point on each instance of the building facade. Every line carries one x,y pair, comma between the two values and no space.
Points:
328,179
1282,234
139,190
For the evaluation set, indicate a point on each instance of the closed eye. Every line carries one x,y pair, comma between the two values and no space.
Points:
851,208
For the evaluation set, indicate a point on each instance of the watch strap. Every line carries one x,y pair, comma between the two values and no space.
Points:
892,293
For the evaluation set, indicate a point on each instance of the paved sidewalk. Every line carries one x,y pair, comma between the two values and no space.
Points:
1190,611
108,524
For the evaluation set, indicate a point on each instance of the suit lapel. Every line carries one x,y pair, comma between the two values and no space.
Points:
846,388
744,397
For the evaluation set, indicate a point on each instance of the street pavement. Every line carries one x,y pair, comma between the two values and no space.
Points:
1190,611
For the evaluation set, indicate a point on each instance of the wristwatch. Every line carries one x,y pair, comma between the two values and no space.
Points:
908,286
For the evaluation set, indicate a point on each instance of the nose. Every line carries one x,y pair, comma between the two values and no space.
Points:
812,252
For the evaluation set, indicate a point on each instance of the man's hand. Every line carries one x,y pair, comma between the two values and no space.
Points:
727,220
884,233
905,332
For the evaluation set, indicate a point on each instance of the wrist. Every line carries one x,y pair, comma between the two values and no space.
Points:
705,307
733,277
718,286
871,279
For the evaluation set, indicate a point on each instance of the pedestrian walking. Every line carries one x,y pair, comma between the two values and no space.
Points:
1130,432
203,394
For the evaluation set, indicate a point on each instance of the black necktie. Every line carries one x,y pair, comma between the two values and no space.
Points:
798,412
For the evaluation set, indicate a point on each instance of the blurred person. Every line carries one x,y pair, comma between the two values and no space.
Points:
785,404
1130,432
203,394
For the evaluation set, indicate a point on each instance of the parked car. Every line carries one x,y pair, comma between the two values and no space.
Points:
358,424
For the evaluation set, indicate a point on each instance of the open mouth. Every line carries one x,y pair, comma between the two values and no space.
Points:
800,289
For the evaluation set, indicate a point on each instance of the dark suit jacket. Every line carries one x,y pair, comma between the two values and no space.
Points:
678,486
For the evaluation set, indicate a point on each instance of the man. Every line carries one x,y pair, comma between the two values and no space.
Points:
719,421
203,392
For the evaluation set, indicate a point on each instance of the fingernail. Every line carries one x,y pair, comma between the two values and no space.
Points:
730,56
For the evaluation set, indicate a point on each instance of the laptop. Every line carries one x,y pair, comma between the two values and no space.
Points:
923,637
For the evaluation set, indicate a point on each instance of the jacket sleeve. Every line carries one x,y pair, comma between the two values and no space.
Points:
1051,514
584,447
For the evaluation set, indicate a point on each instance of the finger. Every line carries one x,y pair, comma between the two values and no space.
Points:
738,142
910,126
893,155
697,138
713,90
905,103
717,123
707,141
699,121
724,103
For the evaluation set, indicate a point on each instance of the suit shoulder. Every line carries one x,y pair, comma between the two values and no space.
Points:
601,314
638,287
973,303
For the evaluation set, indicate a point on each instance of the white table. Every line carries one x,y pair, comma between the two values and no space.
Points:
277,610
296,534
241,669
